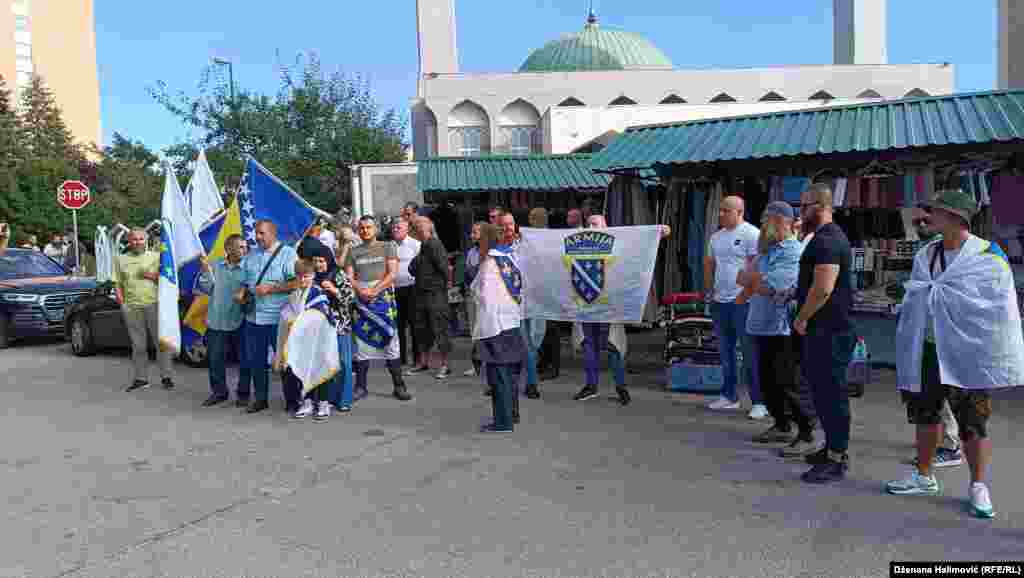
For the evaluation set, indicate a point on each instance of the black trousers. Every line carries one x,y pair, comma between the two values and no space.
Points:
551,348
788,403
406,297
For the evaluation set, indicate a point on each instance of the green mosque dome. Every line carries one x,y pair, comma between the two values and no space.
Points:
596,48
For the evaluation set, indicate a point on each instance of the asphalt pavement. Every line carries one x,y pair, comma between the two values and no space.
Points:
103,483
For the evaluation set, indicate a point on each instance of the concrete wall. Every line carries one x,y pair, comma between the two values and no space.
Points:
544,91
860,31
383,189
1010,64
63,40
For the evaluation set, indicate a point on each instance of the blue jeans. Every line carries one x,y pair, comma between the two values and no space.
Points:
526,328
218,343
259,339
751,374
595,338
343,384
503,377
731,325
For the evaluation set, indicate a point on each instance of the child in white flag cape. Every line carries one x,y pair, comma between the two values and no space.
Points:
960,330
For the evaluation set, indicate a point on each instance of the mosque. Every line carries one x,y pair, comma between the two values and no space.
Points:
579,89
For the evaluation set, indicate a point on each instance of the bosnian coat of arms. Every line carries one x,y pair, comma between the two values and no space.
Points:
588,257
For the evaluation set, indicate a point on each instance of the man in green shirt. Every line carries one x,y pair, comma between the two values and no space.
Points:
137,277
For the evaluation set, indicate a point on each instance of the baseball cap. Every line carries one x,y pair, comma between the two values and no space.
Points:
954,201
780,209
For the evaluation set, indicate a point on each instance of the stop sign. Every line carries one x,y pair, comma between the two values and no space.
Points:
73,195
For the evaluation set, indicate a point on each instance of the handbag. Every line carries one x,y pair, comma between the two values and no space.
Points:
250,300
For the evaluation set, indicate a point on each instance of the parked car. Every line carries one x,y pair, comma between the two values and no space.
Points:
95,323
35,290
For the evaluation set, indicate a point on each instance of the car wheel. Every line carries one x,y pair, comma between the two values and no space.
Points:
5,339
195,355
82,344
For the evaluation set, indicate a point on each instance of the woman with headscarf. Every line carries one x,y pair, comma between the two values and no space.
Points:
497,334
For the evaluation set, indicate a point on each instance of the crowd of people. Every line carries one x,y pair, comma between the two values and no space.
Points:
780,296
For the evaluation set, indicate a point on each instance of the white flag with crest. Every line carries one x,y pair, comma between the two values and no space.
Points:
202,194
187,245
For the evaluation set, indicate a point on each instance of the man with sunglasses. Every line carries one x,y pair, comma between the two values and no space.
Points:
825,298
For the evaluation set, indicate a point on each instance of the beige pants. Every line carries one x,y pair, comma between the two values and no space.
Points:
143,328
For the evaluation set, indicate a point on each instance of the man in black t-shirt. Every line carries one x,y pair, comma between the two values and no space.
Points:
432,313
824,297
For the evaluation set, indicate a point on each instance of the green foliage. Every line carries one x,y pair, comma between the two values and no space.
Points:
308,134
38,153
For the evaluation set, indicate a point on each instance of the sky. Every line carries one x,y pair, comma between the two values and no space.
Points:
141,43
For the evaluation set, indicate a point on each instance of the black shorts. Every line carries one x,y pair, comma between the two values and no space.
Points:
972,408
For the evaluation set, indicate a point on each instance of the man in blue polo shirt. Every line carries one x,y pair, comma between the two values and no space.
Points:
221,280
268,276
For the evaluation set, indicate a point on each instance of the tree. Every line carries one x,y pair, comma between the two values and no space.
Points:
308,134
10,137
43,130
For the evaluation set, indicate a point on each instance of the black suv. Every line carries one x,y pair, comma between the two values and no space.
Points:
34,292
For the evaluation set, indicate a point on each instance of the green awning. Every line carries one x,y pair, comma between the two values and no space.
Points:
972,118
508,173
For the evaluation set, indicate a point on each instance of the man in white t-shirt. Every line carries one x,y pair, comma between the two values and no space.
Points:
729,250
408,248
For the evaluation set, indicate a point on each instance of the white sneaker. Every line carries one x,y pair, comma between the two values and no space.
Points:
323,411
305,410
981,503
718,403
759,411
469,373
915,485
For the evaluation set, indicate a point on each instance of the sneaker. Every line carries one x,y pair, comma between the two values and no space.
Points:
168,383
417,370
724,403
830,471
323,411
623,395
305,410
344,409
944,458
470,373
980,502
759,411
401,393
588,392
817,458
800,448
360,393
490,428
137,385
215,400
774,435
242,402
443,373
532,392
914,485
718,403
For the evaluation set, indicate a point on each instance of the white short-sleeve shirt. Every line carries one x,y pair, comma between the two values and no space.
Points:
730,250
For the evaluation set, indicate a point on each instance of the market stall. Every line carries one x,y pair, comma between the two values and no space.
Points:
882,159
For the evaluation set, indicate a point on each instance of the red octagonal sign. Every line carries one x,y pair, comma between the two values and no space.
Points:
73,195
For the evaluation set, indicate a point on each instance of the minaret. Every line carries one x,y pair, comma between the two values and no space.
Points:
435,26
1011,44
859,31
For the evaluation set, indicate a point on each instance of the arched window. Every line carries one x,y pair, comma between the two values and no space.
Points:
622,101
821,95
469,133
571,102
425,139
772,96
673,99
916,93
869,93
723,97
519,123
